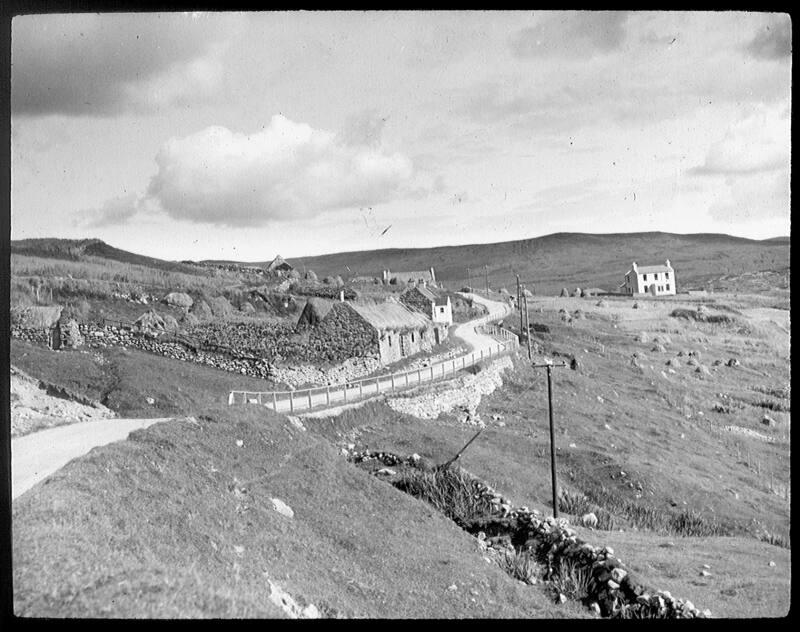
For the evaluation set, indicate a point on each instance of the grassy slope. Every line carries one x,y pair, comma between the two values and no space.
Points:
123,379
151,526
645,414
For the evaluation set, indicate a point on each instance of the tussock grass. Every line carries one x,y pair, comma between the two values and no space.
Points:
572,580
521,565
450,491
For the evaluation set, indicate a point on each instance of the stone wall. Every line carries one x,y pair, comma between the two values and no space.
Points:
343,334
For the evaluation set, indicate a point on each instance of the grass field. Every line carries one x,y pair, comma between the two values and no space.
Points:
178,522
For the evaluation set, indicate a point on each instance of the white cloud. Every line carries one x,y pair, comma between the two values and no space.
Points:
753,198
759,142
286,171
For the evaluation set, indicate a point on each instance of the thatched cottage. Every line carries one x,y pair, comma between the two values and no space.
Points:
388,331
421,299
420,276
280,266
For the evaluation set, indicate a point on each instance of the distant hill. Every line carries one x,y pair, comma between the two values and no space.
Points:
77,249
566,259
545,264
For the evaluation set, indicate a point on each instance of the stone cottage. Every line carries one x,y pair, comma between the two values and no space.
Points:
423,300
650,280
386,331
280,266
427,277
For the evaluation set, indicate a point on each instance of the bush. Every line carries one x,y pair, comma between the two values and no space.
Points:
521,565
572,580
450,491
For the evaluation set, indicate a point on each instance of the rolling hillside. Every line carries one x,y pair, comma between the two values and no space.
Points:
567,259
545,263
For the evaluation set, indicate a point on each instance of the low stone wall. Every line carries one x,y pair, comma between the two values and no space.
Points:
464,392
615,591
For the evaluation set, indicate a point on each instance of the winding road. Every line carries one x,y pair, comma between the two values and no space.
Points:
36,456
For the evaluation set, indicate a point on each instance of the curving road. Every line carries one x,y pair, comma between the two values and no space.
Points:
36,456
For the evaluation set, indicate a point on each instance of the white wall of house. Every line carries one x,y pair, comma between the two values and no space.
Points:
442,313
659,282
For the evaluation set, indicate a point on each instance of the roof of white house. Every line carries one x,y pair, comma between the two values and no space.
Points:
649,269
427,293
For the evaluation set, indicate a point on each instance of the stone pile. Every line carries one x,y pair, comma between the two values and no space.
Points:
615,591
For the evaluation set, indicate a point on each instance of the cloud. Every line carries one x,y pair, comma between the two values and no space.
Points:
103,65
571,34
286,171
759,142
114,212
773,41
752,198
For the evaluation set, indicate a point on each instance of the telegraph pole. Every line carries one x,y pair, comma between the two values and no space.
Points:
553,478
486,268
519,303
469,279
527,323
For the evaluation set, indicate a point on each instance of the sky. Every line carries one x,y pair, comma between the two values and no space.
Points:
246,135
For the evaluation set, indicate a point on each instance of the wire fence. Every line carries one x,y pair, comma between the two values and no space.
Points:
324,396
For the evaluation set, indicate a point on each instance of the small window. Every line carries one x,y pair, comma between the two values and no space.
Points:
441,310
655,276
666,276
645,277
667,287
412,336
390,339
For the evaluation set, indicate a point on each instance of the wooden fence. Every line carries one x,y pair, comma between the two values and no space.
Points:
324,396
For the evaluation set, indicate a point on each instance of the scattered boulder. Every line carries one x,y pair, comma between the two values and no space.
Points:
589,520
220,306
636,305
201,310
673,362
578,314
659,348
703,369
734,362
179,299
282,508
767,420
564,291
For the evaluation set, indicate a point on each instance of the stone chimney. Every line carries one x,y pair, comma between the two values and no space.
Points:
341,295
668,264
634,267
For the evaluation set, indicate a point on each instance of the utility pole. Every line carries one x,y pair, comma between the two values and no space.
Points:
527,323
486,268
549,368
469,279
519,304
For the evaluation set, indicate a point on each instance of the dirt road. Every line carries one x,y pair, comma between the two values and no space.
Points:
35,456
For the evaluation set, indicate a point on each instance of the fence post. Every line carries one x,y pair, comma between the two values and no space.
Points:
275,401
260,401
406,374
361,389
344,390
328,395
431,373
419,376
291,401
377,385
392,382
230,399
310,405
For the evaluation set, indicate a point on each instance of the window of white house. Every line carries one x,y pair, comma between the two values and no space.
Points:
412,336
441,310
655,276
666,275
645,277
667,287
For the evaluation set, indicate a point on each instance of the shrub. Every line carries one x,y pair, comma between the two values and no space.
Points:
449,490
572,580
572,503
521,565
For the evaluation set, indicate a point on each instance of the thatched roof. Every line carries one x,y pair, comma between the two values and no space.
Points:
390,316
314,311
279,263
38,316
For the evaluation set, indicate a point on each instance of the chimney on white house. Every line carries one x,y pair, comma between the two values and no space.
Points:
668,265
341,295
634,266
